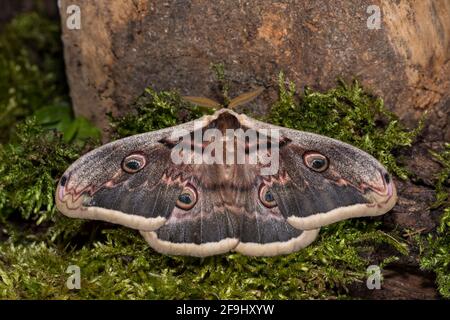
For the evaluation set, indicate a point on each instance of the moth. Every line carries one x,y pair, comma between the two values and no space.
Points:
203,208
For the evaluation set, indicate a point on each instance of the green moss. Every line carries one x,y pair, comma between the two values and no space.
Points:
435,256
435,248
29,169
347,113
155,110
124,266
222,81
442,194
33,93
31,69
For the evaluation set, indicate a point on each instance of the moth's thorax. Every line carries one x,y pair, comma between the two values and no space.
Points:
225,120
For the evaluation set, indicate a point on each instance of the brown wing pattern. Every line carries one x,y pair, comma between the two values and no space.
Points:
205,209
228,216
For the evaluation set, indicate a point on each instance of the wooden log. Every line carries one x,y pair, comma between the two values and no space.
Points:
124,46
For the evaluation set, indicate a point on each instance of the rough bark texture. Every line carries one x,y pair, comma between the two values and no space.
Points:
124,46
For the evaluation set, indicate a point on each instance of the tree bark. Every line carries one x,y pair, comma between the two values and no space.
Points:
124,46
